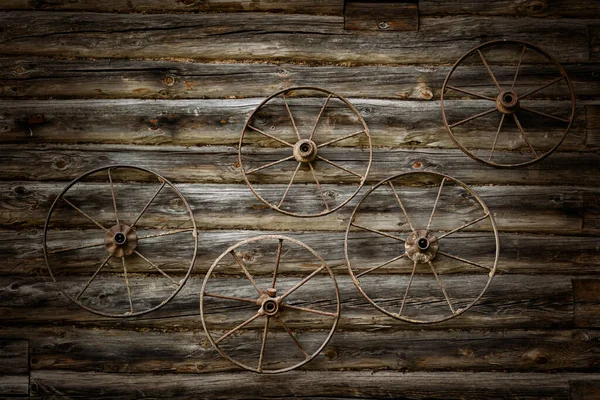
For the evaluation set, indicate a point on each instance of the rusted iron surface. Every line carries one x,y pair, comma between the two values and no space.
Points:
120,241
305,146
272,302
510,105
418,243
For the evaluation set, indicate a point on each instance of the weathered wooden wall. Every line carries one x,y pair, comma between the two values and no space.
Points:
168,85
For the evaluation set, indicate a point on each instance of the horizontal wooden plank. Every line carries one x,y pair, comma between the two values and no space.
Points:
517,8
14,366
14,385
242,37
14,357
65,348
41,77
511,302
586,294
221,165
160,6
556,210
388,16
520,254
343,384
592,114
594,32
401,124
584,389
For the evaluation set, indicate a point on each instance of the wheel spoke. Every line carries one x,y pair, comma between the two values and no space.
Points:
250,278
147,205
312,170
481,96
545,115
319,117
518,66
277,259
340,166
348,136
240,326
287,107
156,267
464,226
489,70
302,282
85,246
473,117
93,277
270,136
436,203
294,338
401,205
463,260
112,190
166,233
287,189
310,310
496,137
524,136
263,344
437,278
541,88
251,171
84,214
381,265
378,232
127,284
412,275
222,296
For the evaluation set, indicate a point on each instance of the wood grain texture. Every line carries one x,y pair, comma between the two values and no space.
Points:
557,209
346,384
273,37
520,254
160,6
517,8
511,302
220,165
401,124
388,16
587,302
584,389
41,77
14,366
117,351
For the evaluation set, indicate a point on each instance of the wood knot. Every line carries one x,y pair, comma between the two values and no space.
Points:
169,80
536,7
417,164
61,163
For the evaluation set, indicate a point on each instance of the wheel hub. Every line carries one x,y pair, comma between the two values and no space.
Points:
305,151
269,304
421,246
507,102
120,240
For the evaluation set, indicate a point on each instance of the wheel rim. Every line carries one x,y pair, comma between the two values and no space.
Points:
512,105
306,147
120,241
419,246
272,305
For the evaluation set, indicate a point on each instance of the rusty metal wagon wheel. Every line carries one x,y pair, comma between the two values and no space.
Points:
273,301
110,228
308,139
503,111
407,226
